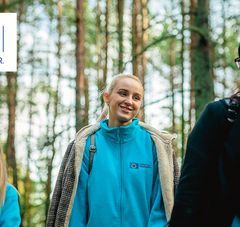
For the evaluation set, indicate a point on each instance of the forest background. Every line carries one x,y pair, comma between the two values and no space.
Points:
182,50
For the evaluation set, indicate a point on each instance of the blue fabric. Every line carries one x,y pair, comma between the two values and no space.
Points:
236,222
123,188
10,211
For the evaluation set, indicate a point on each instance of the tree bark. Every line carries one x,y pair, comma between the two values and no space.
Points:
172,60
191,115
145,24
137,38
106,41
80,65
183,80
11,101
55,108
201,65
120,11
12,104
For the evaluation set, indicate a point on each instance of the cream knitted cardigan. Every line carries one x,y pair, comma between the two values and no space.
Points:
62,200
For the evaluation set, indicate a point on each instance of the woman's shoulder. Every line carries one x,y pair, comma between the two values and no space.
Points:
162,135
11,191
218,104
215,110
84,132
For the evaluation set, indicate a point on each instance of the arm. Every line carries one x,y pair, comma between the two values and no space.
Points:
53,208
10,212
199,162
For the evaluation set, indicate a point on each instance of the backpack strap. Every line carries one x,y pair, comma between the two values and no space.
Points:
92,151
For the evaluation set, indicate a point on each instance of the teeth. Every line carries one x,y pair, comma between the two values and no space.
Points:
126,108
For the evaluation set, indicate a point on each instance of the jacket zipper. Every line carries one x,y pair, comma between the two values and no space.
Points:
121,180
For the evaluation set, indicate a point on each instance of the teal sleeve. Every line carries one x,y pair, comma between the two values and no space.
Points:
157,214
10,212
79,215
236,222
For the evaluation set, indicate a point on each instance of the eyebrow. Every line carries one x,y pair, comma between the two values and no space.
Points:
122,89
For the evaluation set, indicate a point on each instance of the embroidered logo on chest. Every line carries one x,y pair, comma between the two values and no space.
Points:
135,165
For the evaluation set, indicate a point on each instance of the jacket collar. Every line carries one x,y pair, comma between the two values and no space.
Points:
121,134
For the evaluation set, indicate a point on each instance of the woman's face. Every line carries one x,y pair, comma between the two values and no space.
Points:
124,101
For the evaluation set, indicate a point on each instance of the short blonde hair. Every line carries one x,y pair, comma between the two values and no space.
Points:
110,88
3,178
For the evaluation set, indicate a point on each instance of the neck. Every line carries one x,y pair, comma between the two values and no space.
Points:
112,124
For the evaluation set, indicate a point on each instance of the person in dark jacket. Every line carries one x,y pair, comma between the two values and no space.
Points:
209,186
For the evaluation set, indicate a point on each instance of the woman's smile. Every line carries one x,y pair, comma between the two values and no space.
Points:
126,109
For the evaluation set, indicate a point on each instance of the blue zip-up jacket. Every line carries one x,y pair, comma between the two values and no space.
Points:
123,188
10,211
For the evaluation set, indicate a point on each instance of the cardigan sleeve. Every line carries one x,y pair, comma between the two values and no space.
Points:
53,208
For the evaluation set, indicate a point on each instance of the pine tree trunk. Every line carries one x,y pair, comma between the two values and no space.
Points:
224,58
191,115
26,217
120,11
98,46
183,80
80,65
137,38
106,40
12,104
201,65
11,101
172,60
55,108
145,24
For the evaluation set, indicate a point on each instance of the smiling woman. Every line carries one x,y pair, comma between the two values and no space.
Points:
123,100
130,181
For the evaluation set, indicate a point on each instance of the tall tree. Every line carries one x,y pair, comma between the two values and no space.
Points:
106,42
145,24
80,65
120,11
99,45
11,102
172,63
223,3
137,38
183,78
26,216
56,99
191,115
201,65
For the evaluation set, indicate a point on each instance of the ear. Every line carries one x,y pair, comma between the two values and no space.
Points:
106,97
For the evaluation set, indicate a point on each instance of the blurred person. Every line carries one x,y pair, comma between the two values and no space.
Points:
129,178
9,199
209,186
